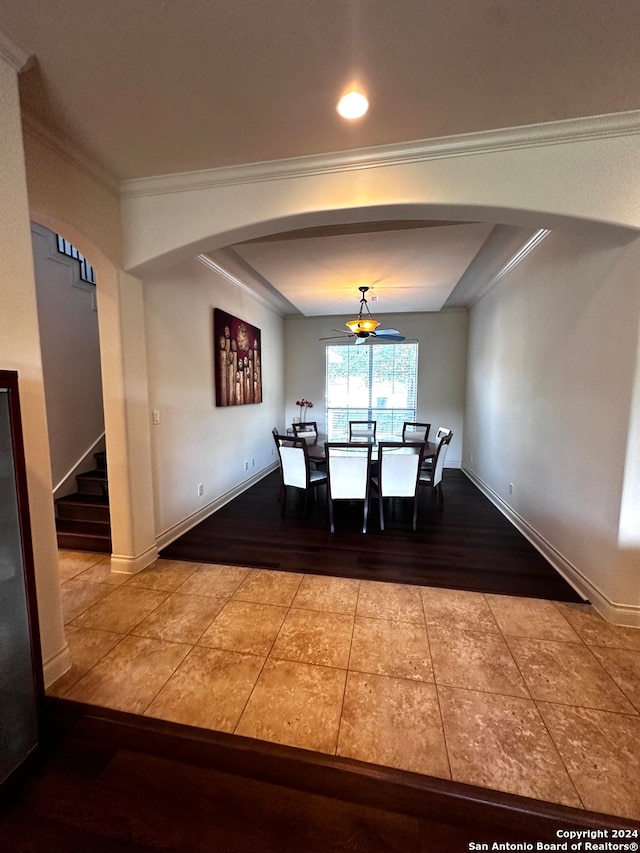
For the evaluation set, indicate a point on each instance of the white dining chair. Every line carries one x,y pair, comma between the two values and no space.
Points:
295,469
362,429
348,476
414,431
398,473
432,478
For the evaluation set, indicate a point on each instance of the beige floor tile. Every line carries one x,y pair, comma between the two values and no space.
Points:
244,626
530,617
101,573
129,677
180,618
623,665
474,660
297,704
500,742
600,750
267,587
566,673
313,636
393,722
214,580
383,647
73,563
120,611
164,575
86,648
337,595
78,595
457,608
210,689
399,602
595,631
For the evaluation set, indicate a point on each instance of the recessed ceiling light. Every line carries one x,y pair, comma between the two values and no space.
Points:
353,105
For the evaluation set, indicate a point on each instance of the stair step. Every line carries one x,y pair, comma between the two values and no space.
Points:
101,460
77,542
92,483
83,507
84,535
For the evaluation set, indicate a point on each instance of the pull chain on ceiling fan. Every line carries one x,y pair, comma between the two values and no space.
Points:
364,326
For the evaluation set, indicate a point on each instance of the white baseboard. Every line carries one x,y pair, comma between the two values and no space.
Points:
618,614
56,666
132,565
182,527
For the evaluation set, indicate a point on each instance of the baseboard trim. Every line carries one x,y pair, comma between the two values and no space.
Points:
617,614
132,565
56,666
182,527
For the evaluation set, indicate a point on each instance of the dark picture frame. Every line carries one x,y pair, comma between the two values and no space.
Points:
237,359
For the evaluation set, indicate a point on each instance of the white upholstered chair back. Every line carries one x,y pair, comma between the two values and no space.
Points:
348,469
415,431
294,466
438,465
348,475
399,468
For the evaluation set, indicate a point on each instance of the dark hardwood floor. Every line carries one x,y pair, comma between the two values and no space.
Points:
109,782
470,545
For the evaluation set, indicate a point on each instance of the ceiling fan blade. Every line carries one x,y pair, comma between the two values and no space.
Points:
379,332
334,338
377,337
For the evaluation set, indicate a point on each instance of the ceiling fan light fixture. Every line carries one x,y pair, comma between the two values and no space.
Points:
363,326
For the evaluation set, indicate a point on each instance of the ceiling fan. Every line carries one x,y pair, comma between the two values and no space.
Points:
364,327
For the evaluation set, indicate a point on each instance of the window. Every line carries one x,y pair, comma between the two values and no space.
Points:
86,270
371,382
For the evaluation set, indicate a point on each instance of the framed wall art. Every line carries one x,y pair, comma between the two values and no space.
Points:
238,360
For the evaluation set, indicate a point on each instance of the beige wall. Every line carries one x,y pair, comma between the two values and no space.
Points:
20,351
552,366
70,346
195,441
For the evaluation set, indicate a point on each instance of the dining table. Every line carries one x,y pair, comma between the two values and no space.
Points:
317,453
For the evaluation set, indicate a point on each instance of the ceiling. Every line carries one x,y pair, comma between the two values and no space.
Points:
154,87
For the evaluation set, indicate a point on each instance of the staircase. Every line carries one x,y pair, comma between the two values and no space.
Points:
82,519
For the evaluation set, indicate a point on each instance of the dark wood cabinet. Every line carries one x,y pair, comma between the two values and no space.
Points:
21,685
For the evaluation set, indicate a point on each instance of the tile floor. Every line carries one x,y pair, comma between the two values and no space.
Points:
532,697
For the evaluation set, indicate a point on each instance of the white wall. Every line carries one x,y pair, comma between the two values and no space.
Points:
442,355
551,372
70,357
196,442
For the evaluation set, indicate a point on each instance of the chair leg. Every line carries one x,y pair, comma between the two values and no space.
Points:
332,528
366,515
415,511
283,498
381,503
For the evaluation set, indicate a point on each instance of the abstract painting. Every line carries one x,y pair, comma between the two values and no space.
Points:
238,360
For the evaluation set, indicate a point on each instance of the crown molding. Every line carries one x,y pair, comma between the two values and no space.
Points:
69,152
245,288
511,264
423,150
17,57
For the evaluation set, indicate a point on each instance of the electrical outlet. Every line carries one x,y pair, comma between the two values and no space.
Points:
510,488
200,490
471,457
246,466
253,462
156,416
